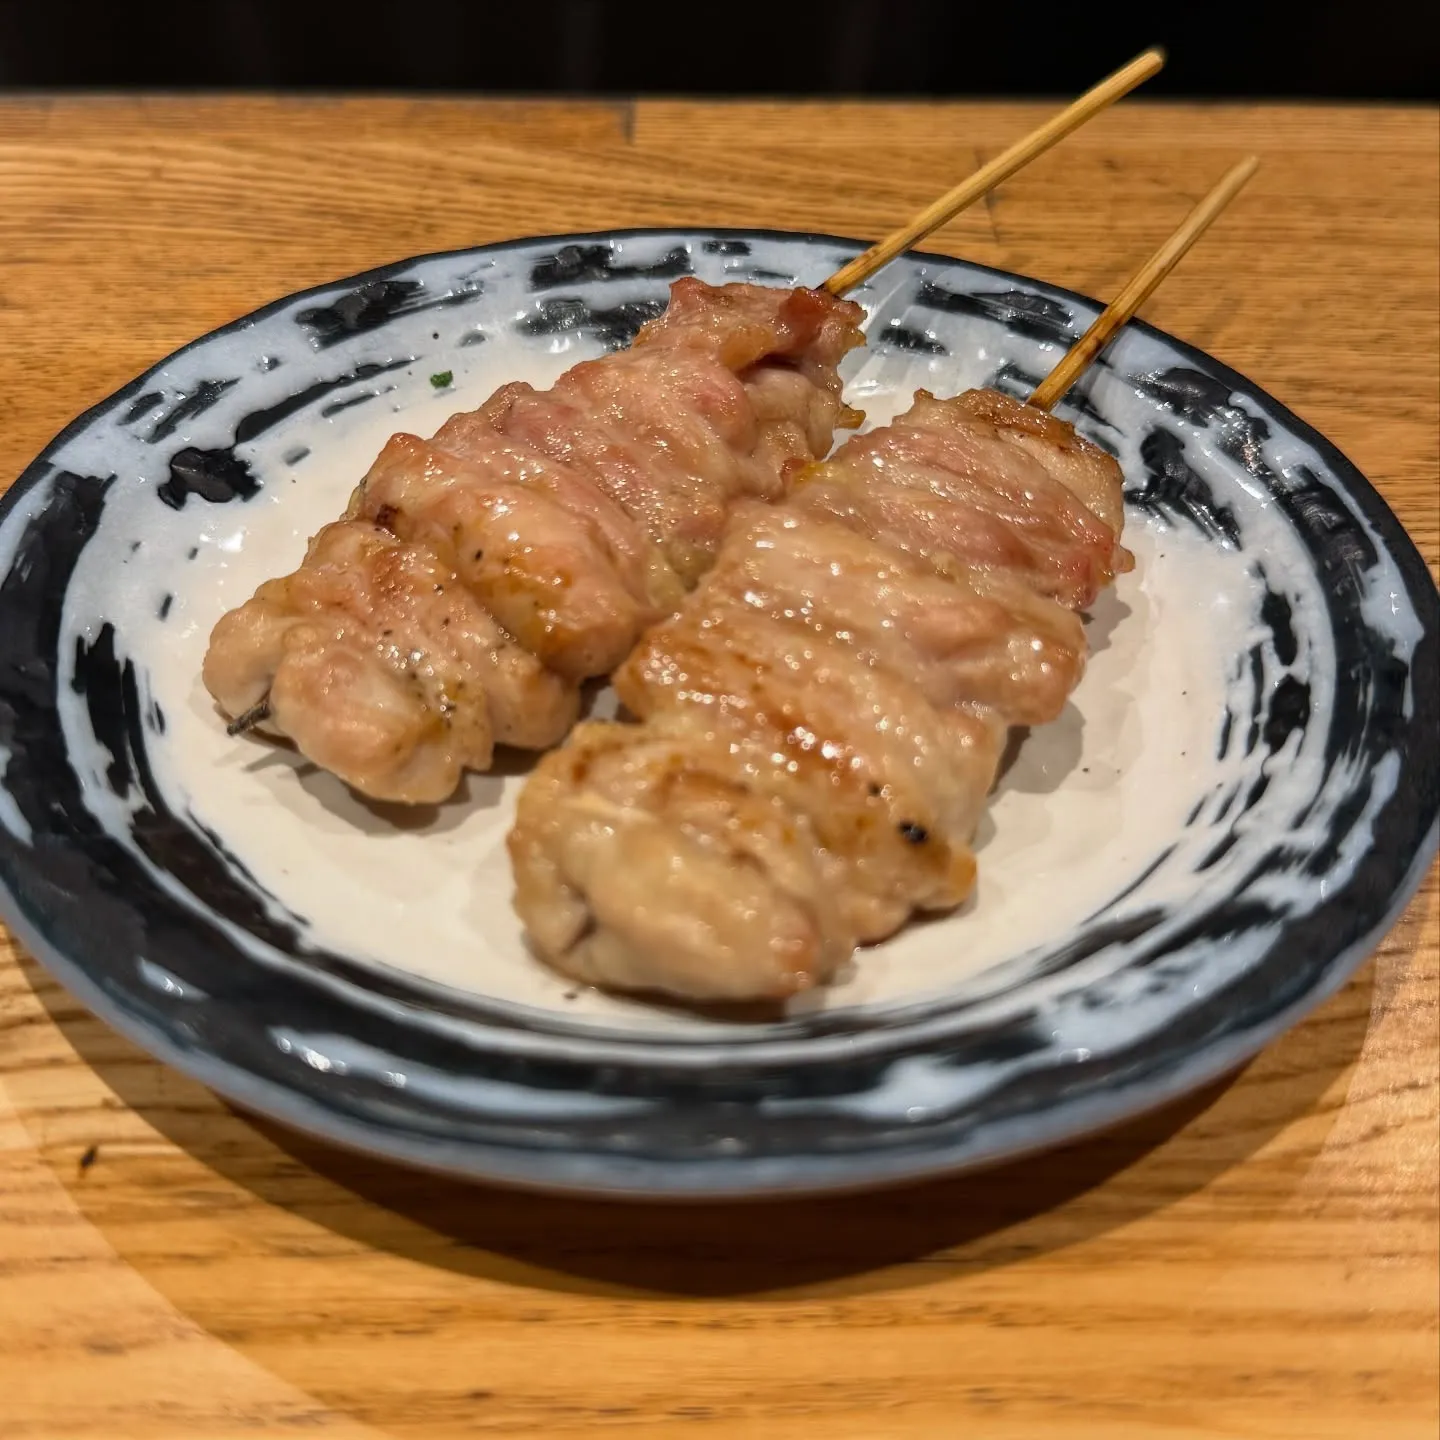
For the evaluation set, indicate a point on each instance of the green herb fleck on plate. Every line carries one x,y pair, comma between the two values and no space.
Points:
441,380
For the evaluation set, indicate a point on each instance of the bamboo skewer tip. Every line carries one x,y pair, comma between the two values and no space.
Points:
249,719
1078,358
993,172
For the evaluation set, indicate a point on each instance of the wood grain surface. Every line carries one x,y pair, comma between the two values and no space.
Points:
1258,1262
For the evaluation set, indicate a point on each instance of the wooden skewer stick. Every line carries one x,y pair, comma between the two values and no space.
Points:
1002,167
1140,286
257,714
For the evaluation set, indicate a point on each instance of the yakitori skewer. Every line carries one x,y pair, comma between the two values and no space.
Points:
479,577
821,723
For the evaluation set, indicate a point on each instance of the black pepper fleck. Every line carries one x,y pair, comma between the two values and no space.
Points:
915,834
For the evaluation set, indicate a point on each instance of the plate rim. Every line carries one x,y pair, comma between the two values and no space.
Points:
480,1162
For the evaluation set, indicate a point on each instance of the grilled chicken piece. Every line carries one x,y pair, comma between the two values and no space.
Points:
382,634
570,519
548,575
636,858
944,481
977,636
885,779
821,723
1063,454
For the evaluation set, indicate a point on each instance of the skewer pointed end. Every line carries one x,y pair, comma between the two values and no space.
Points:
247,720
1140,286
989,175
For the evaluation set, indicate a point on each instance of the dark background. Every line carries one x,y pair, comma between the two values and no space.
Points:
1379,50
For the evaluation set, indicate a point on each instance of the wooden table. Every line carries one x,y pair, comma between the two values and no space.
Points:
1261,1261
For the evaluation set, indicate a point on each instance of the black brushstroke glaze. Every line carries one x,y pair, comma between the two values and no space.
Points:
915,342
1289,710
1256,792
1037,317
1340,547
116,713
1174,491
163,612
30,596
1205,401
615,327
1233,916
1227,725
1146,873
218,476
1098,935
197,402
1275,612
100,680
1347,815
1218,853
257,422
374,305
348,403
141,406
1257,697
582,264
726,247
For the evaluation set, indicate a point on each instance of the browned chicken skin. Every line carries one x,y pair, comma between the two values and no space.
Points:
821,723
382,635
479,577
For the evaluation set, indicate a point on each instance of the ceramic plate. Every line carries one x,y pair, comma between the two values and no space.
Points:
1236,804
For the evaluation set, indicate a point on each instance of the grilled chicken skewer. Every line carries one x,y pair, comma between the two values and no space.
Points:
821,723
479,577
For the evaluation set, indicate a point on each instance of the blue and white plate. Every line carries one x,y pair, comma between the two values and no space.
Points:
1236,804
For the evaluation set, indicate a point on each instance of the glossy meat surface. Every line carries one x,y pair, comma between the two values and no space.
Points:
820,725
570,518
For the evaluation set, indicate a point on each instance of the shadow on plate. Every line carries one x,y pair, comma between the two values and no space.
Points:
1105,616
849,1244
476,791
